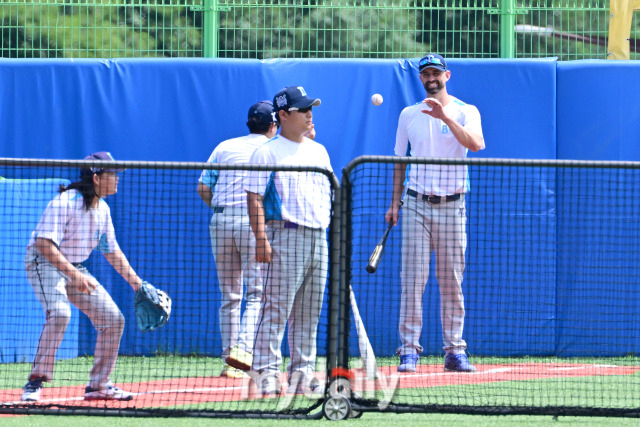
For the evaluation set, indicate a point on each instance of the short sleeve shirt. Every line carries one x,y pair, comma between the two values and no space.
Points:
75,230
227,185
420,135
300,197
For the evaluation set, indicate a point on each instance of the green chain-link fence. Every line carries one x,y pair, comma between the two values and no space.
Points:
568,29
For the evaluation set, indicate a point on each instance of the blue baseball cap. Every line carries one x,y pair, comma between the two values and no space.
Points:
100,155
432,60
263,111
293,98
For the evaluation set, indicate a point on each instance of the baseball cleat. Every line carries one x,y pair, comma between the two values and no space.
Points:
110,392
239,359
312,389
231,372
408,363
270,387
31,391
458,363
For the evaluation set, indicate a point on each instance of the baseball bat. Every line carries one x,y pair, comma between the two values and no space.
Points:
366,351
375,257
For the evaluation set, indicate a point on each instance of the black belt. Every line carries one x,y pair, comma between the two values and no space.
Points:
77,264
434,200
218,209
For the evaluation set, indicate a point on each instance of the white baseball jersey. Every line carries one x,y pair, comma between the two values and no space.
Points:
227,185
300,197
420,135
75,230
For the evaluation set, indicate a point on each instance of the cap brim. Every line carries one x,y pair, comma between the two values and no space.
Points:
437,67
91,172
307,103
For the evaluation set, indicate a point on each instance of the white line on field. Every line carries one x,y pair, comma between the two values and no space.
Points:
186,390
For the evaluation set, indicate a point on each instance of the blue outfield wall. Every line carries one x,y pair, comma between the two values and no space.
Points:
23,203
179,110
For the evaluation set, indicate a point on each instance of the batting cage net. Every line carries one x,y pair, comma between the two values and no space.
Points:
238,337
507,286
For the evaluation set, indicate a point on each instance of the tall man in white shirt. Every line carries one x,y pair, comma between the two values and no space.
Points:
434,216
232,240
290,212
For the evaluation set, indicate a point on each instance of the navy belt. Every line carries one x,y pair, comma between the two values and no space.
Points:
290,225
434,200
218,209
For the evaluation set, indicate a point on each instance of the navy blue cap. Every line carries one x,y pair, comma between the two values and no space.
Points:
292,98
432,60
100,155
264,111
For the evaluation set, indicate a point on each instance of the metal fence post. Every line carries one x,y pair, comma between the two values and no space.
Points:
210,24
507,31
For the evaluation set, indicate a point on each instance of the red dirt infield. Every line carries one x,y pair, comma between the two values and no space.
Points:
191,391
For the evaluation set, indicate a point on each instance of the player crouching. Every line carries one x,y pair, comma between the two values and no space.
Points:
74,223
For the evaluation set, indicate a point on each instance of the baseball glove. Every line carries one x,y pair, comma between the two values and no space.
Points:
153,307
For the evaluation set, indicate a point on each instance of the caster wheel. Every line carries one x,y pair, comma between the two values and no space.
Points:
336,408
355,413
340,387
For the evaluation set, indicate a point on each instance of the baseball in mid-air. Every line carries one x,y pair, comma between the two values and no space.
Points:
376,99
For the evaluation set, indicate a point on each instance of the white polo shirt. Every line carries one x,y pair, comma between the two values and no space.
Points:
300,197
227,185
75,230
420,135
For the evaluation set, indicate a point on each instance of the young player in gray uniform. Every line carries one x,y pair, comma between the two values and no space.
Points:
290,212
74,223
232,241
434,217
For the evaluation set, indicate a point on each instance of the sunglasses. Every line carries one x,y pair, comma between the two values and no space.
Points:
301,110
431,60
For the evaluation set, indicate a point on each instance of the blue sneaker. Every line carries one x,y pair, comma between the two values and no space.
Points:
458,363
408,363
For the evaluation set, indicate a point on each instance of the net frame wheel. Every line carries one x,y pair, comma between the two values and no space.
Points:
356,414
336,408
340,386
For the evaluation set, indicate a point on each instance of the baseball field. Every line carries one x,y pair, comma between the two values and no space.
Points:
173,383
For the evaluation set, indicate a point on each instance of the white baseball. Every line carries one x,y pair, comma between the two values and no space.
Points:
376,99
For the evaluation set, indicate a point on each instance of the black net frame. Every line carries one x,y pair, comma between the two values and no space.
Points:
592,229
167,351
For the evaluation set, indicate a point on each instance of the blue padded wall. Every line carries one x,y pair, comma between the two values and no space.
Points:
148,109
598,110
23,204
179,110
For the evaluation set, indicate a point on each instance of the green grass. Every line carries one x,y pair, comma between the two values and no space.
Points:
605,391
136,369
368,420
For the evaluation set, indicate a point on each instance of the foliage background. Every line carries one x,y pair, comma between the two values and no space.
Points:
261,29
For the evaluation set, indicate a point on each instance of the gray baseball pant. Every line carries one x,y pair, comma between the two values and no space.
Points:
427,228
234,250
294,289
54,291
